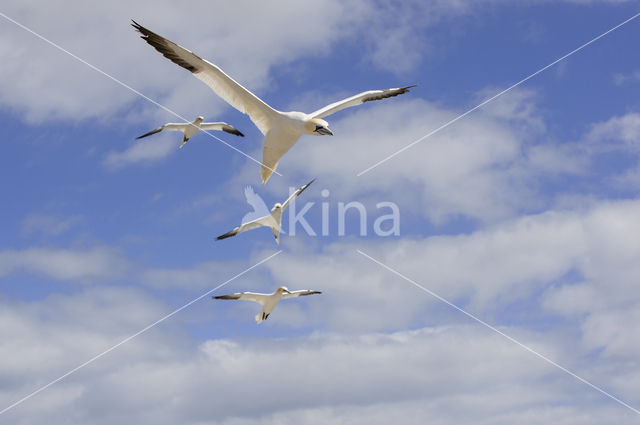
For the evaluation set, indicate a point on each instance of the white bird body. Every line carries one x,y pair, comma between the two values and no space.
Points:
273,220
189,129
267,301
281,129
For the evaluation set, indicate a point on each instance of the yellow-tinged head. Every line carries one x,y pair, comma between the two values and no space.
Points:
318,127
283,289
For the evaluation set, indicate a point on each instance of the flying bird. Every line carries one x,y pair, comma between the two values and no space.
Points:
267,301
272,220
188,129
281,130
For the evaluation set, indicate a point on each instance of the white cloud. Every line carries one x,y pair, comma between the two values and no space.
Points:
621,131
48,224
65,264
44,84
44,338
487,272
145,152
621,79
448,374
205,275
519,108
367,365
619,135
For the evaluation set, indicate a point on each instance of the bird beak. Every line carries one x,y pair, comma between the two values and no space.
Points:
286,290
324,131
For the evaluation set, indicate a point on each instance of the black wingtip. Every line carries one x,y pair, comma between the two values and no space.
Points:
225,236
157,130
233,130
137,26
303,188
405,89
144,33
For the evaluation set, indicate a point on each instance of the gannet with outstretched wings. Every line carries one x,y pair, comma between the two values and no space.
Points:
188,129
273,220
281,130
268,301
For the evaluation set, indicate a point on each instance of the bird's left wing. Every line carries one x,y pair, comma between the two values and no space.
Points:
296,194
223,126
224,86
300,293
358,99
244,296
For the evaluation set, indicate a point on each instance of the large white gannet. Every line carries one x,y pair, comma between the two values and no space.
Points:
268,301
281,129
273,220
188,129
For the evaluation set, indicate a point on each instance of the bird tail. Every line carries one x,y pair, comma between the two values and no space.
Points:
185,139
266,171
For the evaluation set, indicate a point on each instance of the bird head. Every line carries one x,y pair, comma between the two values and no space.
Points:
277,206
283,289
318,127
199,119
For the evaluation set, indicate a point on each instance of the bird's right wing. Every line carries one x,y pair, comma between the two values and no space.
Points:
244,296
167,127
296,194
262,221
301,293
223,85
359,99
223,126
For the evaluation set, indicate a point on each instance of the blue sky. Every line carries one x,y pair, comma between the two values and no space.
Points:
524,213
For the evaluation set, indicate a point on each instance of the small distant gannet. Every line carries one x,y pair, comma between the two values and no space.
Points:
281,129
273,220
188,129
268,301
